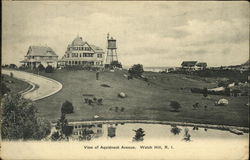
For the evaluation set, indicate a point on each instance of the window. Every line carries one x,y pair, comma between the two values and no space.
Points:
99,55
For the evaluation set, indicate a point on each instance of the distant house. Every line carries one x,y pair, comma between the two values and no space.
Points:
188,65
193,65
40,55
201,65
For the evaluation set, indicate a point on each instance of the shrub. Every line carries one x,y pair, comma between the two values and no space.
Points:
205,92
40,67
175,106
49,69
136,70
122,109
4,89
12,66
67,108
175,130
116,64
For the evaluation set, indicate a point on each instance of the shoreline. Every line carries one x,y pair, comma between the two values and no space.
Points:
210,126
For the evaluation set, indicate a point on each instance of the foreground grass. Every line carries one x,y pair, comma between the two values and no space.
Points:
144,101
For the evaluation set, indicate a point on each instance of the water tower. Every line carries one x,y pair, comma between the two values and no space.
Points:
111,50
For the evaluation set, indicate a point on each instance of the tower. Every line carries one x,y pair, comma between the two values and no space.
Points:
111,50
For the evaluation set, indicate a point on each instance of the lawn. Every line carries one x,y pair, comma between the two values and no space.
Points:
146,100
15,85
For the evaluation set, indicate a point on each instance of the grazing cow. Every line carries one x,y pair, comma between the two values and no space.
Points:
196,106
86,100
99,101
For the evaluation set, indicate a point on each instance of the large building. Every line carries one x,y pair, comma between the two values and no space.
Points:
79,52
40,55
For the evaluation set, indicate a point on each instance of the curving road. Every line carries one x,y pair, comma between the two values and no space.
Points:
46,86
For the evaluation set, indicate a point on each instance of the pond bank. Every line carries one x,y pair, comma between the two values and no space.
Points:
210,126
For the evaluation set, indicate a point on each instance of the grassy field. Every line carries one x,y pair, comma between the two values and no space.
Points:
15,85
144,101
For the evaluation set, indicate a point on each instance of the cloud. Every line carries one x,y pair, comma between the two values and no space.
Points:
199,51
219,31
151,33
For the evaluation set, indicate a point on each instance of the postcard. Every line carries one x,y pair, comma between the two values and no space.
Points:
125,80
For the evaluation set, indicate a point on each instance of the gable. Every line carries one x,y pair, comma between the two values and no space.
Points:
41,51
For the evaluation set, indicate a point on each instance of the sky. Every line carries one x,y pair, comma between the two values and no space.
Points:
150,33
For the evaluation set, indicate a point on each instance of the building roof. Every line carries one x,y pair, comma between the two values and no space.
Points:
78,41
96,48
189,63
24,61
201,64
41,51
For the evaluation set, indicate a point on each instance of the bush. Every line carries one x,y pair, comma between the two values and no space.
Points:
49,69
116,64
175,106
40,67
175,130
136,70
67,108
20,121
12,66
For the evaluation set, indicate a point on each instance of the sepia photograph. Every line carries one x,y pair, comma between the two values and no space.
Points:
125,80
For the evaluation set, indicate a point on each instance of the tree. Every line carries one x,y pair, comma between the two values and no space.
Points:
62,126
20,120
40,67
136,70
49,69
205,92
175,106
116,64
67,108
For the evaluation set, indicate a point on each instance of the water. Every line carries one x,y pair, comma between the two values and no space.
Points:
153,132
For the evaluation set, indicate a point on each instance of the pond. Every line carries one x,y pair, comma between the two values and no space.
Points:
135,141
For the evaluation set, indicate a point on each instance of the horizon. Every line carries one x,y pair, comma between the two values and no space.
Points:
154,34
